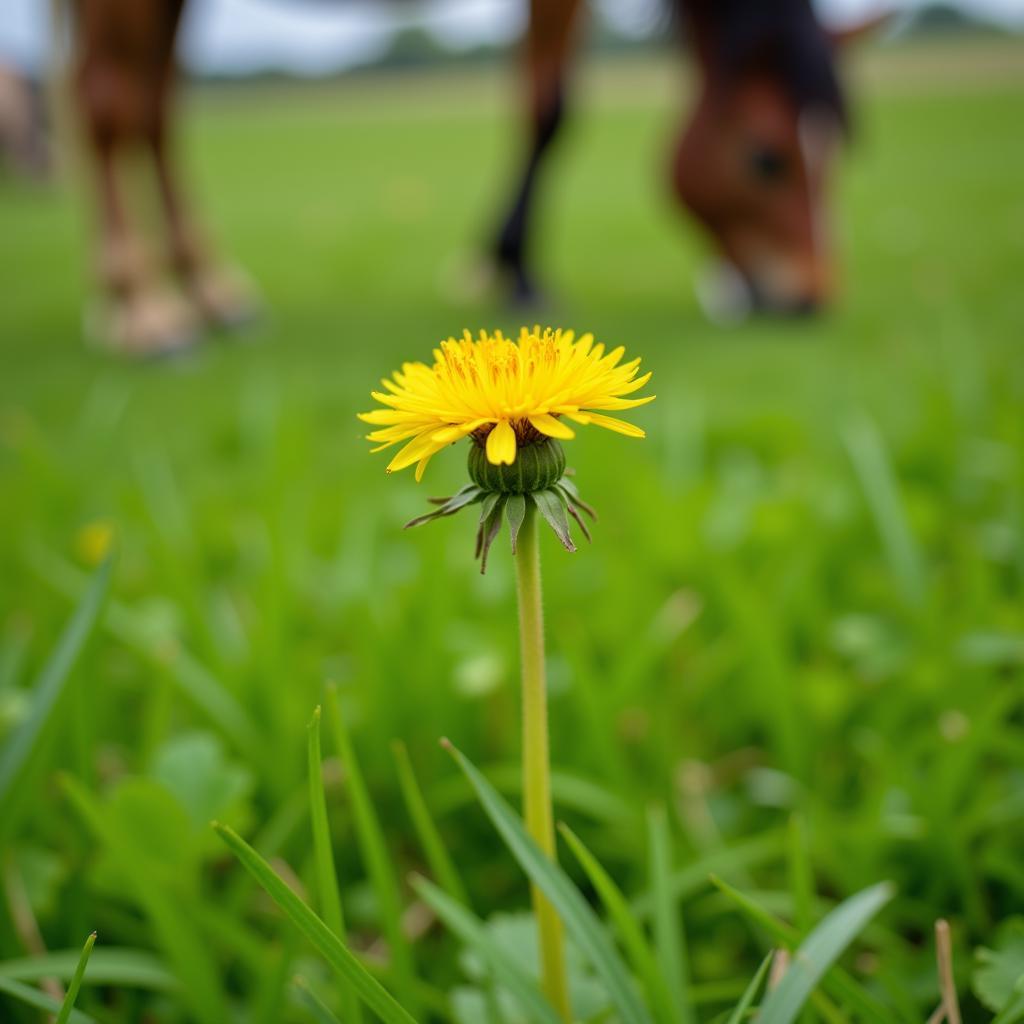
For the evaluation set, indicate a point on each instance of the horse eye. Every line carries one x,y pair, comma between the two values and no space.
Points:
767,164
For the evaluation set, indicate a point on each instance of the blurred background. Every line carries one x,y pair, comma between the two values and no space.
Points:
804,597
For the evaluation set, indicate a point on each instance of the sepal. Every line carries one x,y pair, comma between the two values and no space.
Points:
469,495
555,504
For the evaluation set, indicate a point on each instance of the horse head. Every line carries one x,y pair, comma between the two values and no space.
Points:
754,161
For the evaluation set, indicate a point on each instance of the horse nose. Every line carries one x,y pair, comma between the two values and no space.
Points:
806,306
800,306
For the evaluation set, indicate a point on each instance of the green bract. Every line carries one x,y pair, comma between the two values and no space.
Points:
537,467
501,491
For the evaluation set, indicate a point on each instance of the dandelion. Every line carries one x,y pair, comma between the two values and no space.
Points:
506,394
515,401
94,540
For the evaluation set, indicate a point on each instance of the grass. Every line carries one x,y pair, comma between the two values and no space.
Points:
803,597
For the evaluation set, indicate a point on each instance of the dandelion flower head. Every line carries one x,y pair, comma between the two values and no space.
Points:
505,393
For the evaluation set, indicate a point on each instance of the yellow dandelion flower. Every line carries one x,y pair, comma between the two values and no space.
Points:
505,393
94,540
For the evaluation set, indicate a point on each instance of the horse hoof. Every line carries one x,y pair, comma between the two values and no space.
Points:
487,279
225,298
155,324
524,295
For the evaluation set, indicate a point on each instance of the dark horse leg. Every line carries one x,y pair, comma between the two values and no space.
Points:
548,45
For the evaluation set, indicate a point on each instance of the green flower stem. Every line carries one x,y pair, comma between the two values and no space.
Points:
536,766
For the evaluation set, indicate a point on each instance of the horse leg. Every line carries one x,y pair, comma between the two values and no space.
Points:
115,105
549,43
220,293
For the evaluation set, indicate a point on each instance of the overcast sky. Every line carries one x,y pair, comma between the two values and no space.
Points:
238,36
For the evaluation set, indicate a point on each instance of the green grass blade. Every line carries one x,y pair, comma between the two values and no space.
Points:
326,876
801,886
318,1009
473,933
347,967
125,968
626,924
669,938
581,922
64,1015
685,882
780,931
569,792
838,983
173,927
819,951
323,854
17,750
190,676
751,991
40,1000
801,878
375,853
440,862
866,448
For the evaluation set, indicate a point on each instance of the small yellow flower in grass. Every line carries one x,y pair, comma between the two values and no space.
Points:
515,401
93,541
506,393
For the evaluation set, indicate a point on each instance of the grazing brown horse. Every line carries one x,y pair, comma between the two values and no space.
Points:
751,164
753,157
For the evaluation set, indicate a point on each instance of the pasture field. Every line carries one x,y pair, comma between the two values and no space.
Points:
799,629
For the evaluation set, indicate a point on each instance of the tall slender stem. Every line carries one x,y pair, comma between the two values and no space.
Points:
536,764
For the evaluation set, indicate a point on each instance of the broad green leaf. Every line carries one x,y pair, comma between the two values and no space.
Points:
206,781
375,852
440,862
157,828
999,975
587,931
472,932
64,1014
18,749
626,924
819,951
347,967
1013,1011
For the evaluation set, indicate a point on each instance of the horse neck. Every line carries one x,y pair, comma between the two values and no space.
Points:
702,23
